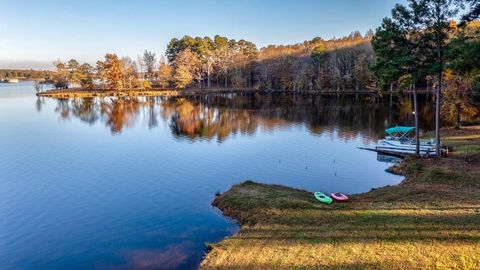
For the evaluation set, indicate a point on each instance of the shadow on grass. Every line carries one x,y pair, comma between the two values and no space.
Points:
364,226
290,214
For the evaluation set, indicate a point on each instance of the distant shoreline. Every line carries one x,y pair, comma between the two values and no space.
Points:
83,93
72,93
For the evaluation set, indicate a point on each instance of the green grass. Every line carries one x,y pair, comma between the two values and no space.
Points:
460,142
467,148
430,221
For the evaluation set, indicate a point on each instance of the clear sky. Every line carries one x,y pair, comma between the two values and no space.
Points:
34,33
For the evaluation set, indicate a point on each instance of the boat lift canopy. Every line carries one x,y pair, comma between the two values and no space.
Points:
399,129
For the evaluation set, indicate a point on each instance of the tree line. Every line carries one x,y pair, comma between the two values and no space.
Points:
220,62
28,74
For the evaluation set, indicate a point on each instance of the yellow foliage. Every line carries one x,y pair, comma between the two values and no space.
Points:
457,105
146,85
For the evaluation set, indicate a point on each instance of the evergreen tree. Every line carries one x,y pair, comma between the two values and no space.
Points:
421,29
86,76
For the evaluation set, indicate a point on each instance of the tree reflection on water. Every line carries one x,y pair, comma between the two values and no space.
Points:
217,117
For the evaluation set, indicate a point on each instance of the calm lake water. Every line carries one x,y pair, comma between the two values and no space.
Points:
127,183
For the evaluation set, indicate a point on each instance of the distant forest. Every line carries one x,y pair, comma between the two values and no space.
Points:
220,62
28,74
339,63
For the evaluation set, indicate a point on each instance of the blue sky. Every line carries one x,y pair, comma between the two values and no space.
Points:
34,33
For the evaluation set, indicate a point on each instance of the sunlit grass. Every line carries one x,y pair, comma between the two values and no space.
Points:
465,141
430,221
466,149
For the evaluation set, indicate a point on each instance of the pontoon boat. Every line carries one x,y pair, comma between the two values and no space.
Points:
399,141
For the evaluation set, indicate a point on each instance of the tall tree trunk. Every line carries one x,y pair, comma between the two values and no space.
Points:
390,109
437,114
439,75
226,79
208,78
319,82
249,76
428,89
417,130
457,104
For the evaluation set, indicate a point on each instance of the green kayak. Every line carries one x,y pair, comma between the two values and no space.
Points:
322,198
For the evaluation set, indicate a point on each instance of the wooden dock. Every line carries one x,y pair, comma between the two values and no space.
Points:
388,153
402,155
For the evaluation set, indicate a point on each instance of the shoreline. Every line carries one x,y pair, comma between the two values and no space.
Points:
77,92
429,220
73,93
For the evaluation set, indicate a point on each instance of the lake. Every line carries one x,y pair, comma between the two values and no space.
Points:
127,183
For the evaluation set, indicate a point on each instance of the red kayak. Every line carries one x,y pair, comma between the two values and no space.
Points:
340,197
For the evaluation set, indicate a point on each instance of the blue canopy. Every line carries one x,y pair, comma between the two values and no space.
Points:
399,129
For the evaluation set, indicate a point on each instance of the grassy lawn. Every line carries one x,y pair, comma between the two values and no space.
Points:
461,142
430,221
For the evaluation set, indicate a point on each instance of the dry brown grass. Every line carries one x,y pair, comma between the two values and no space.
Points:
430,221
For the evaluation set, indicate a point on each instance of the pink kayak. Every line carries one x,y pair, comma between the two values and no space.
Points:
339,197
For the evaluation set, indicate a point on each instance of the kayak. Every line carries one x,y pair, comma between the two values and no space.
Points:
322,198
339,197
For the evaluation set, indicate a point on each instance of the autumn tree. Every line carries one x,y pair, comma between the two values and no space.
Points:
101,73
182,76
129,73
462,70
457,102
113,72
187,66
165,73
233,63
